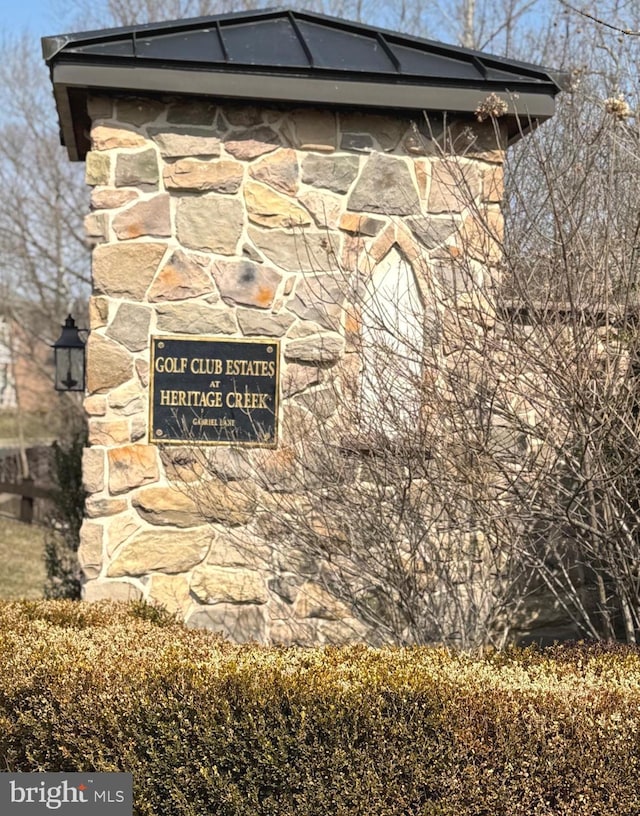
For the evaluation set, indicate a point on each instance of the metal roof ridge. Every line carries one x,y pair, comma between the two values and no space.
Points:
53,45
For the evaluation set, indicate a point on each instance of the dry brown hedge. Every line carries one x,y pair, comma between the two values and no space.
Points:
210,728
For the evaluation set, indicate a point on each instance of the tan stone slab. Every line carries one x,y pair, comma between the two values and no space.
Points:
252,143
455,184
111,591
95,405
195,318
213,585
130,326
170,592
93,468
192,174
126,270
107,137
167,506
108,198
167,551
268,208
150,218
108,432
176,143
210,224
279,170
295,250
108,364
131,466
97,168
313,601
97,507
245,283
183,276
119,529
324,207
90,548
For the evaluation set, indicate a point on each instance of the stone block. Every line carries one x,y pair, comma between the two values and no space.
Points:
210,224
194,318
131,466
108,137
203,176
244,283
325,208
254,323
455,185
295,250
361,224
230,504
335,173
119,529
268,208
175,144
108,432
191,112
128,399
240,115
123,591
213,585
108,199
139,111
183,276
482,237
90,549
493,185
96,507
343,632
385,186
240,624
138,170
130,326
291,632
386,130
238,548
167,506
319,298
253,143
317,348
313,601
95,405
96,227
433,231
167,551
150,218
298,377
309,129
279,170
108,364
126,270
97,169
171,592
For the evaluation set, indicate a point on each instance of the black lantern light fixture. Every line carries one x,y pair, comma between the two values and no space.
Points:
69,353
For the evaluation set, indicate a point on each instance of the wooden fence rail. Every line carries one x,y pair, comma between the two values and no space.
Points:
28,490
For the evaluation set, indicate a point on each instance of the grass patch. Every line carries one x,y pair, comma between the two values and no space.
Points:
22,569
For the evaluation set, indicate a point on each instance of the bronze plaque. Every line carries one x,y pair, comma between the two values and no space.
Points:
214,392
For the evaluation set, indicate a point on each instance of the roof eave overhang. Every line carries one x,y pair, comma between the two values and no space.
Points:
73,82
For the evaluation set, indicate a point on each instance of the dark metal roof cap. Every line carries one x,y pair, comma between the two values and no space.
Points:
282,55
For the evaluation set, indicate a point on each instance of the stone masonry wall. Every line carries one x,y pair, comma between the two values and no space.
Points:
233,221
